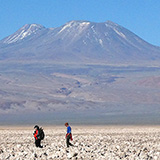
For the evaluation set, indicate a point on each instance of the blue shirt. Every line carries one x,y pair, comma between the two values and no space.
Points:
68,129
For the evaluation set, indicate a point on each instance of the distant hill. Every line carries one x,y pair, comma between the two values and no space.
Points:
78,42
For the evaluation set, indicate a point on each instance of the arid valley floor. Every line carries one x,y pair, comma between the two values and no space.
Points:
91,143
80,94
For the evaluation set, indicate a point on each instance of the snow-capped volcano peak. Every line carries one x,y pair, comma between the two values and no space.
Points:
23,32
76,25
32,27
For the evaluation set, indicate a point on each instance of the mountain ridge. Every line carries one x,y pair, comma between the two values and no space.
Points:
23,32
76,41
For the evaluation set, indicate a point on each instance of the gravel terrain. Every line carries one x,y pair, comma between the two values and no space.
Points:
90,143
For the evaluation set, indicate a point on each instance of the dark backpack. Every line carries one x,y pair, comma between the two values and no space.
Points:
41,134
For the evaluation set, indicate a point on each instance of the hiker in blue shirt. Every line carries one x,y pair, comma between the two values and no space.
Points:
68,135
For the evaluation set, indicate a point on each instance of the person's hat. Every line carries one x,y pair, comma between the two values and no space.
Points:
36,126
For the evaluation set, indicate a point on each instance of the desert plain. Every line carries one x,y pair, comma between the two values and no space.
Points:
90,143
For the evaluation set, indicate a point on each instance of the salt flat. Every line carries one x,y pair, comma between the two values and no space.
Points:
91,142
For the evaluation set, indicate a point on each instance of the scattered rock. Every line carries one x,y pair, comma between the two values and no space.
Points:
100,144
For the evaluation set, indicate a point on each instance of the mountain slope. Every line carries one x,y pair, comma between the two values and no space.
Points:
23,32
78,41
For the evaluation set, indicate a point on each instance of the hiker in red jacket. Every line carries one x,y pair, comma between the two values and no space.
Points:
37,137
68,135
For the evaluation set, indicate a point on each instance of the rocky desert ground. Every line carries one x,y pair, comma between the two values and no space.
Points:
91,143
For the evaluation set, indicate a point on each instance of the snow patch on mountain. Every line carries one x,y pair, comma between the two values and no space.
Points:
24,32
93,30
84,42
111,24
101,42
120,33
80,26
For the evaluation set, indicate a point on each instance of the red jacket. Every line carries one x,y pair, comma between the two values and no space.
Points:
36,133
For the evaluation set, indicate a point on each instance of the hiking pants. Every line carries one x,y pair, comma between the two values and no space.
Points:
67,141
38,143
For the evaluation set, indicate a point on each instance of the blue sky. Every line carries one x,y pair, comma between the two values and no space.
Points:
139,16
